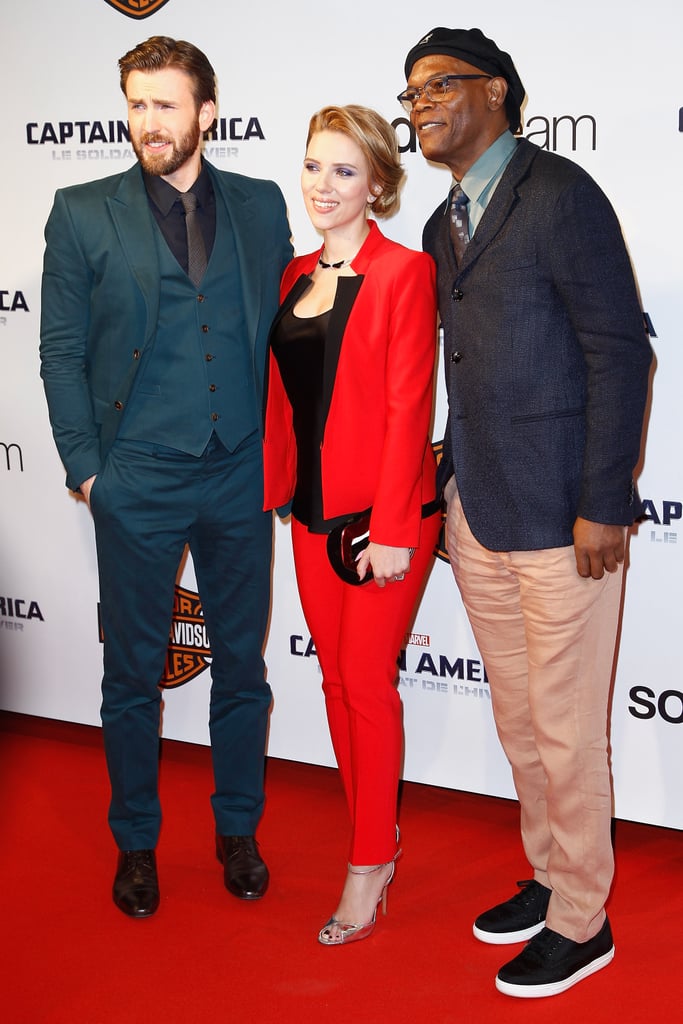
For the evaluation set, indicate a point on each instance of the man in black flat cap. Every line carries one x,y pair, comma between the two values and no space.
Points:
547,363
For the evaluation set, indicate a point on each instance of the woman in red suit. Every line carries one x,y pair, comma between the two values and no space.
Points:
347,429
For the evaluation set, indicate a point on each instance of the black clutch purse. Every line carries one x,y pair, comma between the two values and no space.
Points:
346,541
344,545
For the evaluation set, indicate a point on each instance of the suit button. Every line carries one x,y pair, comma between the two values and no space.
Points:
205,328
118,405
136,353
200,298
456,357
456,295
208,357
214,416
212,387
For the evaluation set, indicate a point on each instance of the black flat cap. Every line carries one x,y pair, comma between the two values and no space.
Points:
472,46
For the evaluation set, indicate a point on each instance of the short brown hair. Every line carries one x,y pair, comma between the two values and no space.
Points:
378,143
160,52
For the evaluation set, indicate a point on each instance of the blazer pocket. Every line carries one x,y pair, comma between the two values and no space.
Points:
510,262
538,417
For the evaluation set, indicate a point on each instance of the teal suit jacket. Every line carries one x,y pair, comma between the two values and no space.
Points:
100,299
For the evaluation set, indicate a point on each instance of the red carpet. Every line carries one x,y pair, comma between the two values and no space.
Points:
70,957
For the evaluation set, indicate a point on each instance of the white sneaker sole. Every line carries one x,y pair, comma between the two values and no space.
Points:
506,938
554,988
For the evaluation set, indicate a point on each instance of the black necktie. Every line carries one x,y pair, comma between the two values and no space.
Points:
459,225
196,253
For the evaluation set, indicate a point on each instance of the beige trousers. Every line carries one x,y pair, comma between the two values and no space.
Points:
547,637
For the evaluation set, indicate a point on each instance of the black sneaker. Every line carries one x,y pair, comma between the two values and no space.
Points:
551,964
516,920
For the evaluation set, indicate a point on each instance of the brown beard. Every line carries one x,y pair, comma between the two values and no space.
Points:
164,164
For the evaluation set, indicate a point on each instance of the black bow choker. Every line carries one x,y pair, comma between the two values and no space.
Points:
333,266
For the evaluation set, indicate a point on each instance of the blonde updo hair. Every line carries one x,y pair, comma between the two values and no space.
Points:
377,141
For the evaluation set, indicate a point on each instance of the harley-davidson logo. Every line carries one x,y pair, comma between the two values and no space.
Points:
137,8
189,652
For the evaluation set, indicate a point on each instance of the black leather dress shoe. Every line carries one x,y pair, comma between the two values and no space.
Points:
136,886
246,875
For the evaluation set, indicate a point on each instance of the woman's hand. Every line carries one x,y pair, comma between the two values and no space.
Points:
389,565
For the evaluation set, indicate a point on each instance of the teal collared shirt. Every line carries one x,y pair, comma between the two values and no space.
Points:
480,182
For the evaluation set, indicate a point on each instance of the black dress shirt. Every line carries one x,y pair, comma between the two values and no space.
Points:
165,204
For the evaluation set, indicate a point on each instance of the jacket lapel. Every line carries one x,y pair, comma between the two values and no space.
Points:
504,198
249,244
347,293
130,213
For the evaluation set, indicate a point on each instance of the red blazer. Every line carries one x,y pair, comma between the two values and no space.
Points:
379,383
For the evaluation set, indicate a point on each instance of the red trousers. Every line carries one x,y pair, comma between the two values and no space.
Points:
358,633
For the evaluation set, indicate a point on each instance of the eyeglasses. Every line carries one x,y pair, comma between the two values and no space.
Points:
436,89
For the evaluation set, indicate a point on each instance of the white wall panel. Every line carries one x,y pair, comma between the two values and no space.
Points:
276,64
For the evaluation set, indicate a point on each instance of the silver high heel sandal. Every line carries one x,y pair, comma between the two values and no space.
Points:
338,933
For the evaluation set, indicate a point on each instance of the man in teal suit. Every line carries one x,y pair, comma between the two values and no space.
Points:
159,288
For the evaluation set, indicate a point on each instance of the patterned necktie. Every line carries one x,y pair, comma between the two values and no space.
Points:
196,253
459,224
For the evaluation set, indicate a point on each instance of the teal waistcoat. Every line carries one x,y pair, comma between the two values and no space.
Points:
198,376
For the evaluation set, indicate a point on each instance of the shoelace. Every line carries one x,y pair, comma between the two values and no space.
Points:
543,945
139,861
524,896
243,844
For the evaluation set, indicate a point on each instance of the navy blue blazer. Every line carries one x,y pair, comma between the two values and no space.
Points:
546,358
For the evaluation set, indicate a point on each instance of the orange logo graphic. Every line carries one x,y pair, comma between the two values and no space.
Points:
136,8
189,652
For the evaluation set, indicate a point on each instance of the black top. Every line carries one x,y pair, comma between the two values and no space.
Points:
298,344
